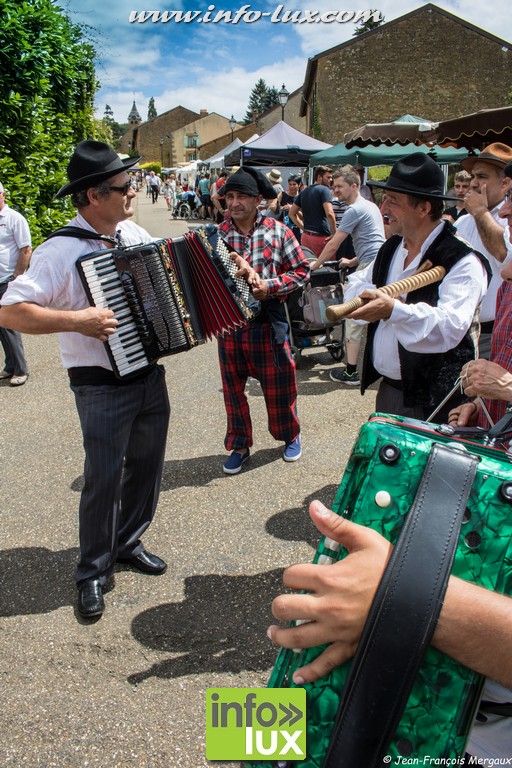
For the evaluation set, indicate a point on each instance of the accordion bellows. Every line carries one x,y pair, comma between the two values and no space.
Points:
168,296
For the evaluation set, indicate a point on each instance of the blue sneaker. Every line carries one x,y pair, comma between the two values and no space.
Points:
293,451
235,462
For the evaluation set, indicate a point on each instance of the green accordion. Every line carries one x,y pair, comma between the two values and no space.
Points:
378,489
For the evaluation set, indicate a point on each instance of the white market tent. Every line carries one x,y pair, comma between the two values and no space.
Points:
217,160
281,146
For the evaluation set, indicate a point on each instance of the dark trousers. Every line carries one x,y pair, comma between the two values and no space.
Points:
391,400
12,343
124,432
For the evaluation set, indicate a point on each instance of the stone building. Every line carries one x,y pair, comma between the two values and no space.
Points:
428,63
292,115
174,137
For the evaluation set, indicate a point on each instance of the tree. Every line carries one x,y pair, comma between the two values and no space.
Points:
112,127
271,98
370,23
262,98
152,113
47,87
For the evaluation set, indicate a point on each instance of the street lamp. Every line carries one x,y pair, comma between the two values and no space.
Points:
283,98
232,124
161,152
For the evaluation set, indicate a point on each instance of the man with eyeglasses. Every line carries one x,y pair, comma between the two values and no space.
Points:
124,423
483,226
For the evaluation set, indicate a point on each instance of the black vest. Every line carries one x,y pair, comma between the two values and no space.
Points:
426,377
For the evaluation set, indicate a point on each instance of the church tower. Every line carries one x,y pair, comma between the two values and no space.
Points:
134,117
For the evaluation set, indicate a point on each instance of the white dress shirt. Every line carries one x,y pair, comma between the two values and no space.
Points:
467,228
52,280
420,327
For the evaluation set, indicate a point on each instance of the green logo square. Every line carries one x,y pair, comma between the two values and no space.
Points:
255,724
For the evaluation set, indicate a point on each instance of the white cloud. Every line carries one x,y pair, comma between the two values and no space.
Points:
226,91
215,66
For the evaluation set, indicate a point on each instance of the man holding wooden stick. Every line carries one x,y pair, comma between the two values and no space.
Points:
418,342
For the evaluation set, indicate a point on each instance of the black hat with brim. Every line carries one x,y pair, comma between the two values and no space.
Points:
91,163
417,175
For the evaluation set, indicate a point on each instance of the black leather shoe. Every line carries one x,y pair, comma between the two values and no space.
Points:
145,562
90,599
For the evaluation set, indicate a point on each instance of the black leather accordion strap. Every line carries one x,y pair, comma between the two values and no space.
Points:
404,614
82,234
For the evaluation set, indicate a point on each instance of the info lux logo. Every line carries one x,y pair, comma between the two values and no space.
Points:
251,724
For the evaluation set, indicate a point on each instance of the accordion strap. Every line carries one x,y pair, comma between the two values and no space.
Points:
403,616
82,234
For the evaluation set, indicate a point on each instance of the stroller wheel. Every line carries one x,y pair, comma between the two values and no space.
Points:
336,341
296,354
336,352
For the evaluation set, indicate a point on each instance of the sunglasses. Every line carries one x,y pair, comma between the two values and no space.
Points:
124,189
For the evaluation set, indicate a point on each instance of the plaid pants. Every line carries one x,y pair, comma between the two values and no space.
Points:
251,351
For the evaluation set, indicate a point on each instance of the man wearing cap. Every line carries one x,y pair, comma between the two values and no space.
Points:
15,252
124,423
272,207
261,348
492,381
418,343
313,213
483,227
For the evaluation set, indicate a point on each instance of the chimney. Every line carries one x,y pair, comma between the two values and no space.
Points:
203,112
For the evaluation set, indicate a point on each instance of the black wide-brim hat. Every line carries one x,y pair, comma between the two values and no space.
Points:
91,163
417,175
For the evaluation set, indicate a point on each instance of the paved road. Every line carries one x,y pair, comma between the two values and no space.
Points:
129,690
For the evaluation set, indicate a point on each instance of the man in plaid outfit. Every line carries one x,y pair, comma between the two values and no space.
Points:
260,349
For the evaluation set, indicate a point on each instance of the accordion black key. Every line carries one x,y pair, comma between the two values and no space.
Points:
168,296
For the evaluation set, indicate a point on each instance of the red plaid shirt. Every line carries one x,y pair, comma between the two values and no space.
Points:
501,349
272,251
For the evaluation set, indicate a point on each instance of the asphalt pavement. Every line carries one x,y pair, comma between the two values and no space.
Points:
129,690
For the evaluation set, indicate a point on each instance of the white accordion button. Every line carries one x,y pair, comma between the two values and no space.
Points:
382,499
324,560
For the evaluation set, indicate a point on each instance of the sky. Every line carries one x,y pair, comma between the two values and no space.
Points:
213,60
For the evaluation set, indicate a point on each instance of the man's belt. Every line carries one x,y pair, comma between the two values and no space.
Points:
314,234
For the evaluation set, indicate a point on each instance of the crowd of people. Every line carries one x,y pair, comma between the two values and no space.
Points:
417,346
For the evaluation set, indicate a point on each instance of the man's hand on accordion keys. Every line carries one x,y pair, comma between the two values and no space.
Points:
96,322
338,597
245,271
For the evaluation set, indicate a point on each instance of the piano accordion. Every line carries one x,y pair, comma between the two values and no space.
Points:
379,487
168,296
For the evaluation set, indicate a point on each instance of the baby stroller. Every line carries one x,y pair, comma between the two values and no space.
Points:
187,206
305,312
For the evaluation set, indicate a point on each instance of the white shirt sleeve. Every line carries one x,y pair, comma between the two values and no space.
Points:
422,328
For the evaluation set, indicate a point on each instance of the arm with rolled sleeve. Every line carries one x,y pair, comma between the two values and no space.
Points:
422,328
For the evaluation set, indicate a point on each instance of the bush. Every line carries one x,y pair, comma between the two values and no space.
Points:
47,86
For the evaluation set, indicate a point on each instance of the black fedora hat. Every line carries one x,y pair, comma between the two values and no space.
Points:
417,175
91,163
